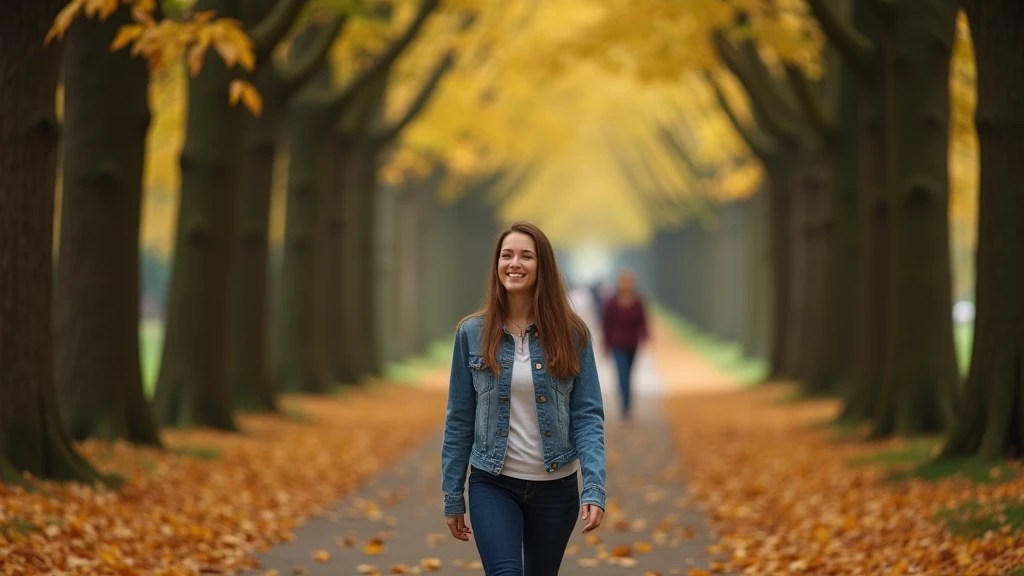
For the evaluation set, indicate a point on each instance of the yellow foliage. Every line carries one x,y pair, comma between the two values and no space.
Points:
163,42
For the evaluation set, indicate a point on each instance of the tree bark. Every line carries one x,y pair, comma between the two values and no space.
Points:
921,376
96,305
990,424
32,437
248,368
192,388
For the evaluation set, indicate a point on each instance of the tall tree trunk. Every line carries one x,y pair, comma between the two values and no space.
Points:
367,262
192,388
778,215
921,371
796,306
248,367
32,437
297,337
96,306
990,424
818,358
338,224
247,361
757,255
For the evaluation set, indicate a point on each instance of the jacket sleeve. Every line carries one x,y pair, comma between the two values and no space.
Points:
587,416
458,429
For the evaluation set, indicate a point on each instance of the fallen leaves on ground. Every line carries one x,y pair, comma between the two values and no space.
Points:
213,498
786,499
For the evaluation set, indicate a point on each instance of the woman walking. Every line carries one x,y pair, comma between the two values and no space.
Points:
525,415
624,324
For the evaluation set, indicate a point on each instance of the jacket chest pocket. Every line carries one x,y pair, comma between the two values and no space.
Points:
483,379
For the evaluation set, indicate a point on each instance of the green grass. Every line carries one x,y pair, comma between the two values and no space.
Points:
963,336
17,526
1017,572
726,356
151,341
414,369
198,452
972,520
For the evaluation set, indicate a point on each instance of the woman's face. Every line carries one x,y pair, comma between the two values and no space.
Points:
517,262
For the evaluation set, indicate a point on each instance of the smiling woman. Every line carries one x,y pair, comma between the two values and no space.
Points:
525,413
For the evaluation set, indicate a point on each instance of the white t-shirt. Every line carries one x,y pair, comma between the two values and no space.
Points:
524,457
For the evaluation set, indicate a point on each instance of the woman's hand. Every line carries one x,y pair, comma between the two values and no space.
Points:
458,528
592,514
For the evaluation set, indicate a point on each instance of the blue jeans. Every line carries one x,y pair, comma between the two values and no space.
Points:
521,524
624,365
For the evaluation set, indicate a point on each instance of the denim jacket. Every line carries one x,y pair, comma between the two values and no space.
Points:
570,412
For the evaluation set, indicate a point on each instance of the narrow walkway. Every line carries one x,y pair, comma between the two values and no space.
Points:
394,525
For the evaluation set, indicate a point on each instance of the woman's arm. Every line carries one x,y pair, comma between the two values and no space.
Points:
458,429
587,417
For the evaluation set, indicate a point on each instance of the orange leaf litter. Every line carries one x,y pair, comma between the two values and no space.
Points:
784,498
179,514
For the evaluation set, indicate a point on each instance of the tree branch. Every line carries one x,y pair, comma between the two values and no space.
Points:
388,133
762,145
297,74
856,49
814,110
382,65
737,63
780,102
884,9
266,35
673,144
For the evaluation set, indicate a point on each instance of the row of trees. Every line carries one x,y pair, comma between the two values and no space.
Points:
853,219
69,345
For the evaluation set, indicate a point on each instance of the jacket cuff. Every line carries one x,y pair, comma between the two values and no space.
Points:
454,504
593,494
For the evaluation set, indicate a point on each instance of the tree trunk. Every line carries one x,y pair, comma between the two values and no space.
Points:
757,256
779,213
32,437
337,224
796,306
192,387
96,305
367,263
990,424
921,371
864,381
248,370
300,366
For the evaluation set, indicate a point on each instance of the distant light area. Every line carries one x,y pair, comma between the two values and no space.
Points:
589,262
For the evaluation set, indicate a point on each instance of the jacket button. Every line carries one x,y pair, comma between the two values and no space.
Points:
554,466
537,366
547,434
542,399
502,432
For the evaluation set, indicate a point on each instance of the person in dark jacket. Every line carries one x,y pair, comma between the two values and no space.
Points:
624,324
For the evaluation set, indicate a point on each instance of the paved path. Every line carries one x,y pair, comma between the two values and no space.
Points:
649,513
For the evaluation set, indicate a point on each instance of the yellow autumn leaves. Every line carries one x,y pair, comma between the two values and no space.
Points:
165,41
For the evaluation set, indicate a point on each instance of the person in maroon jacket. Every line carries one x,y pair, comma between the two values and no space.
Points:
624,324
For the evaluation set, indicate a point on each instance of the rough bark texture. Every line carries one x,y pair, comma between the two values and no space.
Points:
96,305
248,368
815,188
247,365
32,438
337,223
864,385
192,388
921,371
297,337
990,424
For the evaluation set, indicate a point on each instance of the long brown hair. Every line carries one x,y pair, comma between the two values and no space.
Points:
561,331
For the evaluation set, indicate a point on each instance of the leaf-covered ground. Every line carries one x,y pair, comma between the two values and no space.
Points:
789,494
212,498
